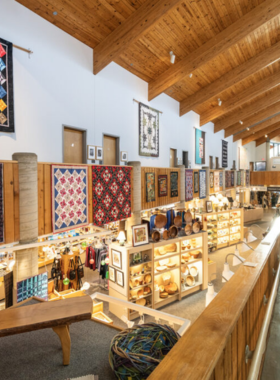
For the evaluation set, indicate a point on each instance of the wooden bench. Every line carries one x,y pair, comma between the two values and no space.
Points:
56,315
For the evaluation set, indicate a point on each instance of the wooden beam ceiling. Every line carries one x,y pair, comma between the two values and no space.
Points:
243,97
260,134
239,73
211,49
269,137
139,23
257,128
254,119
271,97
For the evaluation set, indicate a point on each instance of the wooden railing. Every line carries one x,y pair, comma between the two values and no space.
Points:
214,346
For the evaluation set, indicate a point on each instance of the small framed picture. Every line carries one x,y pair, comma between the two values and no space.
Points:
99,153
120,278
112,274
209,207
116,258
91,152
140,235
124,157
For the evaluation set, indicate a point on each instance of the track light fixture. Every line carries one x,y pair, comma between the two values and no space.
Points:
172,57
241,122
265,136
219,102
190,75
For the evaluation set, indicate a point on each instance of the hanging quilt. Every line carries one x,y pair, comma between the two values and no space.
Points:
232,179
174,184
195,182
189,185
199,147
211,180
148,131
150,187
6,87
216,182
238,179
111,193
69,197
247,178
228,178
224,154
202,184
1,205
221,179
162,185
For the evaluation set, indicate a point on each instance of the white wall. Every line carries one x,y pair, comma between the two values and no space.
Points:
56,86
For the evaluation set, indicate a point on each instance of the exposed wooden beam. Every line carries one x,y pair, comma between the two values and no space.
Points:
260,134
211,49
254,119
130,31
257,128
239,99
272,97
239,73
270,136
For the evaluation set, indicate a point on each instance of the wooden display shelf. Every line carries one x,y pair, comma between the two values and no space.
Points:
190,250
141,286
145,296
143,263
192,262
140,275
223,245
162,301
191,289
162,257
167,270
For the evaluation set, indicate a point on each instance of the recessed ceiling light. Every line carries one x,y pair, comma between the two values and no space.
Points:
240,122
72,145
265,136
190,75
55,13
219,102
248,129
172,57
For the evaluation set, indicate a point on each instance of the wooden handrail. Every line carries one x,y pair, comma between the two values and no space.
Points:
197,353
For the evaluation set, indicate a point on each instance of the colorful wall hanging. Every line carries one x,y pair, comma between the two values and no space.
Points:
195,182
69,197
232,178
199,147
111,186
238,179
228,178
6,87
247,178
1,205
202,184
174,184
189,185
211,177
148,131
216,182
221,179
224,154
162,185
150,187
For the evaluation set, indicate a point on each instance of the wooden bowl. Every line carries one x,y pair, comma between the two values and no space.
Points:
193,271
196,227
188,217
185,270
178,221
195,254
156,236
147,279
140,293
141,302
188,229
163,295
165,235
173,231
190,281
160,221
147,290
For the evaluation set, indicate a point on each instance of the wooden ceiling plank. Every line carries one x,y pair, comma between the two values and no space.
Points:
269,137
272,97
239,73
211,49
241,98
260,134
130,31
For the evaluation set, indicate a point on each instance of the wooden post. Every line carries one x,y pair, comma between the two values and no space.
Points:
182,185
136,201
26,264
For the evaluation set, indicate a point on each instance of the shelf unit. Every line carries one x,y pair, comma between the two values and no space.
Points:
224,228
165,252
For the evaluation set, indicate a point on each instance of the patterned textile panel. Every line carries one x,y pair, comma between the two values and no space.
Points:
69,197
238,181
221,179
111,193
232,178
247,178
211,176
216,181
6,87
189,185
174,184
202,184
1,205
228,178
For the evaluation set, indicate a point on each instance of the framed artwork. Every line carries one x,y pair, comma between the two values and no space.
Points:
216,182
211,180
224,154
195,182
116,258
6,87
91,152
34,286
112,274
221,179
120,280
148,131
189,185
150,187
162,185
140,235
99,153
174,184
199,147
124,157
202,184
209,207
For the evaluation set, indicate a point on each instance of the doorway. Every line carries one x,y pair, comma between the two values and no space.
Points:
111,150
186,159
251,166
173,154
211,164
74,145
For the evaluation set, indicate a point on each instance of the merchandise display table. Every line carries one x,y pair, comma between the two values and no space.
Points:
253,214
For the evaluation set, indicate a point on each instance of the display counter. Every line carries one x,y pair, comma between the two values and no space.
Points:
251,215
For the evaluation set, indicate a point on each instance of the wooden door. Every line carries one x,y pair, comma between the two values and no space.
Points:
172,158
251,166
73,146
109,150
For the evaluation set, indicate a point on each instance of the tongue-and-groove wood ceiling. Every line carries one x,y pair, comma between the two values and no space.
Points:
231,48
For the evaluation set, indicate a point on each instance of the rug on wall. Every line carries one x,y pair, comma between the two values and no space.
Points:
195,182
150,187
232,178
211,178
148,131
202,184
6,87
247,178
238,179
189,185
216,182
228,178
174,184
199,147
111,193
221,179
69,197
162,185
1,205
